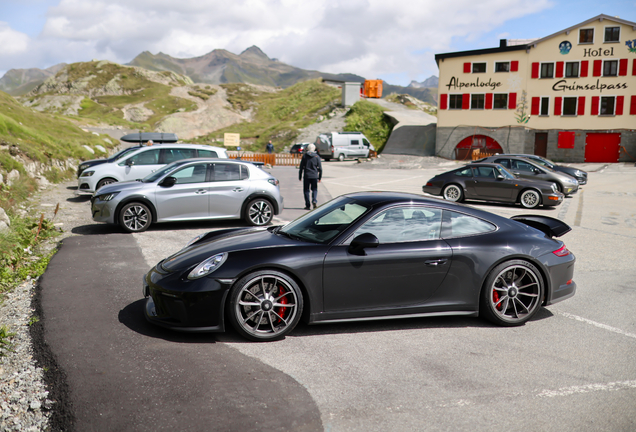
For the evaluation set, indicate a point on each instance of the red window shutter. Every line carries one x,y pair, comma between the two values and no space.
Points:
534,109
595,102
443,101
465,101
512,101
514,66
467,67
488,104
620,101
557,105
598,67
566,140
622,67
535,70
632,107
559,70
634,68
580,109
584,64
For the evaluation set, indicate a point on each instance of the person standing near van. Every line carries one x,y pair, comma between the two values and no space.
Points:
311,167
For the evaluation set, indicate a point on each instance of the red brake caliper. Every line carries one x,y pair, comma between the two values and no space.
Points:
281,310
495,299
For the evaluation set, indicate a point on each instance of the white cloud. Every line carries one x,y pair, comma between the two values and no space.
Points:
371,38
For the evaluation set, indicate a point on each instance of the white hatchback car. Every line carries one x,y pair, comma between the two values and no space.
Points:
139,163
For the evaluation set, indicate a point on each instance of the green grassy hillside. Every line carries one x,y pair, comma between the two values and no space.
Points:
108,88
277,116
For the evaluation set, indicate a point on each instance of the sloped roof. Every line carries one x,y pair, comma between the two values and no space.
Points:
600,17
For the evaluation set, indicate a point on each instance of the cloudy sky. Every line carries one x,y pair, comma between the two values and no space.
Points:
395,40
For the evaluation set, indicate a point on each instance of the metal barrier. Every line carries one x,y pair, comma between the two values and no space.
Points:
273,159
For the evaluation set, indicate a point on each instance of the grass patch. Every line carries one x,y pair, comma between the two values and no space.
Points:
277,115
5,339
369,118
40,136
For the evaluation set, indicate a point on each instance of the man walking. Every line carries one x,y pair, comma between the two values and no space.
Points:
270,147
312,168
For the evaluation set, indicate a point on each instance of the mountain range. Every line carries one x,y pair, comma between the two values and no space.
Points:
219,66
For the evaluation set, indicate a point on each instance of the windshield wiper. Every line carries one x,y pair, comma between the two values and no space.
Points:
288,235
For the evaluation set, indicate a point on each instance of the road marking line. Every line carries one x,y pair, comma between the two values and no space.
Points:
567,391
597,324
579,210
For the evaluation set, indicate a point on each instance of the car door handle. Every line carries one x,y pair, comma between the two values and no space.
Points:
435,262
201,191
237,189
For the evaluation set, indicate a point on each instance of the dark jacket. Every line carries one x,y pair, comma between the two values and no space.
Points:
311,166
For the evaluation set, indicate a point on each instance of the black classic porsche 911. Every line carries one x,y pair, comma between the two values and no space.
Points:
372,255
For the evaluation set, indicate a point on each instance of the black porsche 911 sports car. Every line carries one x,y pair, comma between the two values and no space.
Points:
492,182
372,255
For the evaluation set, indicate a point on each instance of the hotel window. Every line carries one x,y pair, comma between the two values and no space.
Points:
500,101
547,70
571,69
502,66
569,106
612,34
477,101
610,67
586,36
455,101
479,67
545,106
607,105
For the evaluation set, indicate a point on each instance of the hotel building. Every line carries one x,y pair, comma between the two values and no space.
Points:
570,96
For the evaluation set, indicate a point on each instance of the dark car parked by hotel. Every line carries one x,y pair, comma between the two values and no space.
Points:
578,174
492,182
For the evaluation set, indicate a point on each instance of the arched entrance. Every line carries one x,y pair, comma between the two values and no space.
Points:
464,150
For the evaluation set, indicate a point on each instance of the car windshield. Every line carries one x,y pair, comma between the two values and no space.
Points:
153,177
504,172
327,222
544,162
120,153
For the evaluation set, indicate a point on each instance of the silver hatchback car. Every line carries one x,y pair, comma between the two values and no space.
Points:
191,189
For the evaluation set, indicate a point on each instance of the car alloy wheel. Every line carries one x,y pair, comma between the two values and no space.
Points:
530,198
512,294
105,181
265,305
259,212
340,157
453,193
135,217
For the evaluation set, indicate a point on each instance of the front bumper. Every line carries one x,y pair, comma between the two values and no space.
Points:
174,302
103,211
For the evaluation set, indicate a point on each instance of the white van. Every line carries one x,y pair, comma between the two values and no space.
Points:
343,145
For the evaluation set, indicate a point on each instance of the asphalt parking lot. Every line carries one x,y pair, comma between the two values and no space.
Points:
571,368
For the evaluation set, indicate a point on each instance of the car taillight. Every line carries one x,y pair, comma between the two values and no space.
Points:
429,184
562,251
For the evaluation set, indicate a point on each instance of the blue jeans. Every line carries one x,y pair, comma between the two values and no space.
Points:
313,184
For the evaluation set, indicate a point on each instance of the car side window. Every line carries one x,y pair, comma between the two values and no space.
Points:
226,172
503,162
404,224
245,173
466,172
365,142
208,153
175,154
191,174
147,157
484,172
355,142
458,225
522,166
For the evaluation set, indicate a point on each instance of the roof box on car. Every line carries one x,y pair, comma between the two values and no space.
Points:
155,137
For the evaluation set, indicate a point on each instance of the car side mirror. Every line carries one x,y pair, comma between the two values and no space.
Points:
500,177
361,242
130,162
168,182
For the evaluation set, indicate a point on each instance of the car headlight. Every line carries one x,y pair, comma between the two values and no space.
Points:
273,181
107,196
83,166
208,266
578,173
554,187
87,173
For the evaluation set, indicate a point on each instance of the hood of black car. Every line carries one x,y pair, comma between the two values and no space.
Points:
240,239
